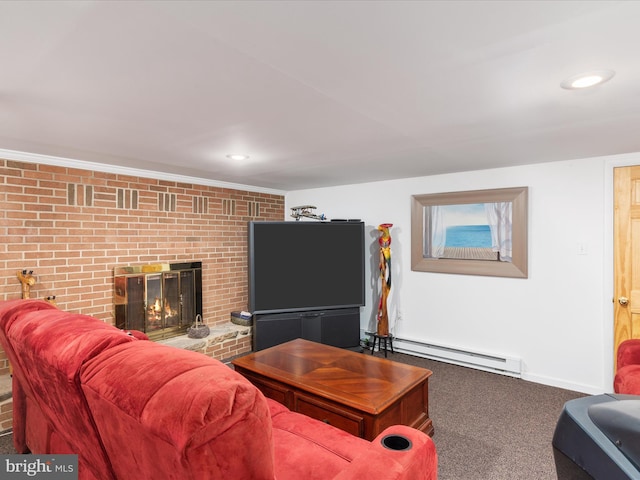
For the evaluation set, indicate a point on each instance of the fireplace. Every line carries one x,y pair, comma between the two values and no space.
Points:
160,299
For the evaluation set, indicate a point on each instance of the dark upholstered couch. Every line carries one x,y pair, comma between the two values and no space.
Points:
132,408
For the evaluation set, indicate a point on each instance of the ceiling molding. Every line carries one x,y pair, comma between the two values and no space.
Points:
134,172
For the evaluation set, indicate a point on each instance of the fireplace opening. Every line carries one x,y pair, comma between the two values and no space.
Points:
160,299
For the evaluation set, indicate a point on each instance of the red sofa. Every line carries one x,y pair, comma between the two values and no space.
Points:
627,379
132,408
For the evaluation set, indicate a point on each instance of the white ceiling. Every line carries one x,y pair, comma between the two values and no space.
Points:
318,93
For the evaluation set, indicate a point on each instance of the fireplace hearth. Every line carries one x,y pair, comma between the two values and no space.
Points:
160,299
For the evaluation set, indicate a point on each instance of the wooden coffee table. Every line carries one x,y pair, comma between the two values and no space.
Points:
355,392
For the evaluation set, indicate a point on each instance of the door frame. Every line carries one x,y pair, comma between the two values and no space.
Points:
612,162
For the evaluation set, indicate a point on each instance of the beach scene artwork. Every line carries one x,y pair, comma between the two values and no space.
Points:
476,232
467,234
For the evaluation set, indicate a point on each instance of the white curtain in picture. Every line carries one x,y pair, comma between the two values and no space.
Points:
499,220
438,232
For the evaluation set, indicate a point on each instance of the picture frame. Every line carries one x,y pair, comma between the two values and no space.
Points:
506,254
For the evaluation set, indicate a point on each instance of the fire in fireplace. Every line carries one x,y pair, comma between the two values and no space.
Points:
161,299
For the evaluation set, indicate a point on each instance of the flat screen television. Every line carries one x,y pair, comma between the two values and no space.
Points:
298,266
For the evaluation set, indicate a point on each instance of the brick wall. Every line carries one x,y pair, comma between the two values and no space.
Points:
72,227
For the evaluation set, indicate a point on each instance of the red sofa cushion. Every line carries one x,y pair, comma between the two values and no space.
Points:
308,449
628,353
627,380
182,413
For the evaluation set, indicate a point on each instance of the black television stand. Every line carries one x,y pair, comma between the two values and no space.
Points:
337,327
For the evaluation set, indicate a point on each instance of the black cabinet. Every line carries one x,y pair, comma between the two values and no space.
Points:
339,328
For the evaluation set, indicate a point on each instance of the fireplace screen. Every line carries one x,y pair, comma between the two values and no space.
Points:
161,300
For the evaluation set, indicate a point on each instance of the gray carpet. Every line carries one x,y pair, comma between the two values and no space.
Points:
6,443
487,426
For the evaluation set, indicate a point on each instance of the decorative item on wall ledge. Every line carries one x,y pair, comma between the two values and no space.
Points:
385,278
27,280
198,329
478,232
51,299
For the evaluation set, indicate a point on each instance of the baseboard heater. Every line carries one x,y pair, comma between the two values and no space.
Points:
481,361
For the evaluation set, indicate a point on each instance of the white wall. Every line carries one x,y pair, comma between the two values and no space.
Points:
557,320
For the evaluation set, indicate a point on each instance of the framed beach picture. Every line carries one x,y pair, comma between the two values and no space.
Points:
478,232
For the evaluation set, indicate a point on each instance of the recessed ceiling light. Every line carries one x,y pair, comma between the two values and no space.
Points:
587,79
238,156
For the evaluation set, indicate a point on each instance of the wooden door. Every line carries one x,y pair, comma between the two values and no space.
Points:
626,246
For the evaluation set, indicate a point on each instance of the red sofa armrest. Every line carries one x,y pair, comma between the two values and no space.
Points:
417,462
629,353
